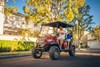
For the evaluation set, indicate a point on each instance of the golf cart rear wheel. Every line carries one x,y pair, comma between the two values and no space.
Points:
54,53
36,53
72,51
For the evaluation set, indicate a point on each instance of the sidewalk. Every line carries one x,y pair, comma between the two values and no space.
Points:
88,49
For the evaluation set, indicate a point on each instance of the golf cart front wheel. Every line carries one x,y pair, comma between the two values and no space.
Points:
36,53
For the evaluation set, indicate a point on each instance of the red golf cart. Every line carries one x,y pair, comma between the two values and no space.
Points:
50,44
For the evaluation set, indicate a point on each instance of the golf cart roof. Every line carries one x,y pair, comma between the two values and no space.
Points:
57,24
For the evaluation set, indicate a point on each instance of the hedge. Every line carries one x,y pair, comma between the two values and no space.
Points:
9,46
84,46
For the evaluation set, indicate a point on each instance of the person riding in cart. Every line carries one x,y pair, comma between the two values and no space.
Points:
69,37
61,37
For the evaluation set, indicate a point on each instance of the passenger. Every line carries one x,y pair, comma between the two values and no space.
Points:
69,37
61,37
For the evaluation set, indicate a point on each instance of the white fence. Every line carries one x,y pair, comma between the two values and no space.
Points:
12,37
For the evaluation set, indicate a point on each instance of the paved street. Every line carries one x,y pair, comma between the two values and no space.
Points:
82,59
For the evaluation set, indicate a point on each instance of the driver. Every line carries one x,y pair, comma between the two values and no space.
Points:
61,37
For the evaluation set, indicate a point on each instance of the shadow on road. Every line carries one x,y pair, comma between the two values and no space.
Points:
69,58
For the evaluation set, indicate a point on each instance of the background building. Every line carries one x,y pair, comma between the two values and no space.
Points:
14,23
10,27
90,40
93,42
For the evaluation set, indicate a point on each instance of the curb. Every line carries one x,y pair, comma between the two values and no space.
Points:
24,55
14,56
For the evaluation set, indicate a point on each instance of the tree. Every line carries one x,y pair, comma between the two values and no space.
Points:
84,21
51,10
8,9
96,32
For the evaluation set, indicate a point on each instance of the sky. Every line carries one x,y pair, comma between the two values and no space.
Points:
94,4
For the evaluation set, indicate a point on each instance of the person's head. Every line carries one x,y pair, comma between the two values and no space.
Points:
69,31
60,27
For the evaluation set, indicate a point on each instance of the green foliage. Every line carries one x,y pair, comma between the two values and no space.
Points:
84,20
7,46
96,32
43,11
35,33
9,9
30,32
24,31
84,46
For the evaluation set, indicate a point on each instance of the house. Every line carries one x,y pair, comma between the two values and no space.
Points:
10,26
14,23
85,37
93,42
90,40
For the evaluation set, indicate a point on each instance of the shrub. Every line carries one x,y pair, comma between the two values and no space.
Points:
84,46
7,45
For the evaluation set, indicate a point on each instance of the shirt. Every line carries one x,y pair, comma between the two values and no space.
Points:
69,36
62,31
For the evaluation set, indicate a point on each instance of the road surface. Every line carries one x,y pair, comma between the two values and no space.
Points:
82,59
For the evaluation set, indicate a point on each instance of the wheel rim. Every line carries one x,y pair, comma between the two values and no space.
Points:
38,53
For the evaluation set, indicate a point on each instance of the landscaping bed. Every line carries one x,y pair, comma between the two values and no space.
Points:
13,46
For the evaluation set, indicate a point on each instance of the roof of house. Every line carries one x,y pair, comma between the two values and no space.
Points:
19,14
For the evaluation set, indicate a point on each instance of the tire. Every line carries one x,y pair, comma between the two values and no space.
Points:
72,51
36,53
54,52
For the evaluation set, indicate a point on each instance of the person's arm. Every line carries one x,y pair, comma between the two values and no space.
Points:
61,32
